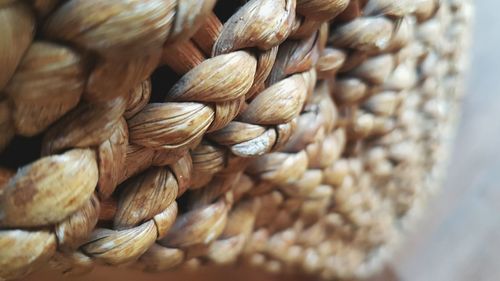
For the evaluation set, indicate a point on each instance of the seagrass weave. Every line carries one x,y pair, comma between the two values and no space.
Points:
293,135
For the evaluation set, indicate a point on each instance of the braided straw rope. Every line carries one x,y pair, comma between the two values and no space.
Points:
295,135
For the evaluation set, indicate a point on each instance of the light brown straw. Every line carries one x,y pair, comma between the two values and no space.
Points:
293,135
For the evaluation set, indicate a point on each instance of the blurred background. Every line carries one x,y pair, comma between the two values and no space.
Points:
459,236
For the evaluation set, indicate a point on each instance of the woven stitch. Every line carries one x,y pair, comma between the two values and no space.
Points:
292,135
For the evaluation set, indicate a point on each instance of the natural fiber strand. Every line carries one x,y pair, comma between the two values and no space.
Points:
296,135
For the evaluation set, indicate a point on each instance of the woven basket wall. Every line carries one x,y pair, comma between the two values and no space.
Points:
293,135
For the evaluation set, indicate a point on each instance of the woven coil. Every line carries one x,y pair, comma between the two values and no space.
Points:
293,135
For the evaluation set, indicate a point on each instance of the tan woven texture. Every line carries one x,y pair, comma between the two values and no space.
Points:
293,135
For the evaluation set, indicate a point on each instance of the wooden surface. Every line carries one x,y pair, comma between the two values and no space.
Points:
460,237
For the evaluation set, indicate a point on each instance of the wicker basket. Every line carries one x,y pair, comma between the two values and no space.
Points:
293,135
